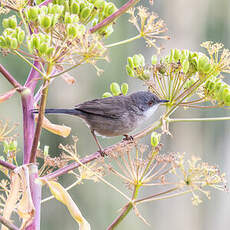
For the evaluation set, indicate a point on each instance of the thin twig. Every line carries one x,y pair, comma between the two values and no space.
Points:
7,165
8,224
10,78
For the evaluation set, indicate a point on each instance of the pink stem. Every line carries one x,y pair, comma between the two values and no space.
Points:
35,188
7,165
115,15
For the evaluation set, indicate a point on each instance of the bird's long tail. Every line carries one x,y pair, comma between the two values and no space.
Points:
65,111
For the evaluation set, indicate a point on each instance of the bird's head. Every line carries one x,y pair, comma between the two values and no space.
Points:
146,101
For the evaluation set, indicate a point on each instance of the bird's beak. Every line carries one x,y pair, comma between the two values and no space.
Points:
163,101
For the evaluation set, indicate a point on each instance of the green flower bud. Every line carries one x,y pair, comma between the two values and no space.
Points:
137,60
67,18
43,48
5,23
129,71
35,42
99,4
107,94
72,30
227,100
2,42
82,6
115,89
185,66
43,10
13,43
142,59
13,146
203,65
32,13
45,21
176,55
155,139
154,59
75,8
222,92
189,83
110,8
12,22
50,51
130,62
144,76
46,151
184,55
124,88
85,13
20,36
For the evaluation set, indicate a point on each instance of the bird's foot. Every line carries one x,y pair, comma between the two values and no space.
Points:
128,138
102,153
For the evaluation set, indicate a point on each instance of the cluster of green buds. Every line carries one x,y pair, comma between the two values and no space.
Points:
39,44
136,67
90,11
218,90
190,62
12,36
117,90
10,146
44,16
155,139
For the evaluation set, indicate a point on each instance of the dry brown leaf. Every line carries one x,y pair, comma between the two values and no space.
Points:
25,206
60,130
12,197
7,95
63,196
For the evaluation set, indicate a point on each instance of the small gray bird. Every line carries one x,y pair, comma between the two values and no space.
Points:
114,116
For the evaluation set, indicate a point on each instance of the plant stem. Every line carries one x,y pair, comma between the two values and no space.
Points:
10,78
35,188
8,224
124,41
7,165
123,214
39,122
115,15
198,119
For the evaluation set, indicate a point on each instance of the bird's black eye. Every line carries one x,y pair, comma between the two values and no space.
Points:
150,103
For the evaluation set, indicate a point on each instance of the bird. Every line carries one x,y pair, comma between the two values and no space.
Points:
114,116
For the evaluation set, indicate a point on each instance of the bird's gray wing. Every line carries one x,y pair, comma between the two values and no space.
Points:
113,107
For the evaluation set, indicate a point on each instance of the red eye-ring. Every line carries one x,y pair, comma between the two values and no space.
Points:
150,103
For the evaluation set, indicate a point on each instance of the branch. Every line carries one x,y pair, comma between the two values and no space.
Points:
123,214
96,155
7,165
8,224
10,78
115,15
198,119
39,122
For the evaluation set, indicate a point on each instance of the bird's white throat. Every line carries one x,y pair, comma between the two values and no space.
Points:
148,113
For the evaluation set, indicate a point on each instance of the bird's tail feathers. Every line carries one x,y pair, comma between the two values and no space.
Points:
65,111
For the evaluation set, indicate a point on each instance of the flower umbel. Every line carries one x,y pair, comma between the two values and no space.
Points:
148,25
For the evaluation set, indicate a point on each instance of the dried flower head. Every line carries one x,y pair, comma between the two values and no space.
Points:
5,130
148,25
14,4
218,55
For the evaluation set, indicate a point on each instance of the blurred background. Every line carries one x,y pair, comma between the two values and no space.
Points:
189,23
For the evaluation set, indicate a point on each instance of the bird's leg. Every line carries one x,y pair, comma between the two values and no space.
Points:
127,137
99,146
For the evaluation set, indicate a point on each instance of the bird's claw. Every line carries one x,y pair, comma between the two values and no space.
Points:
128,138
